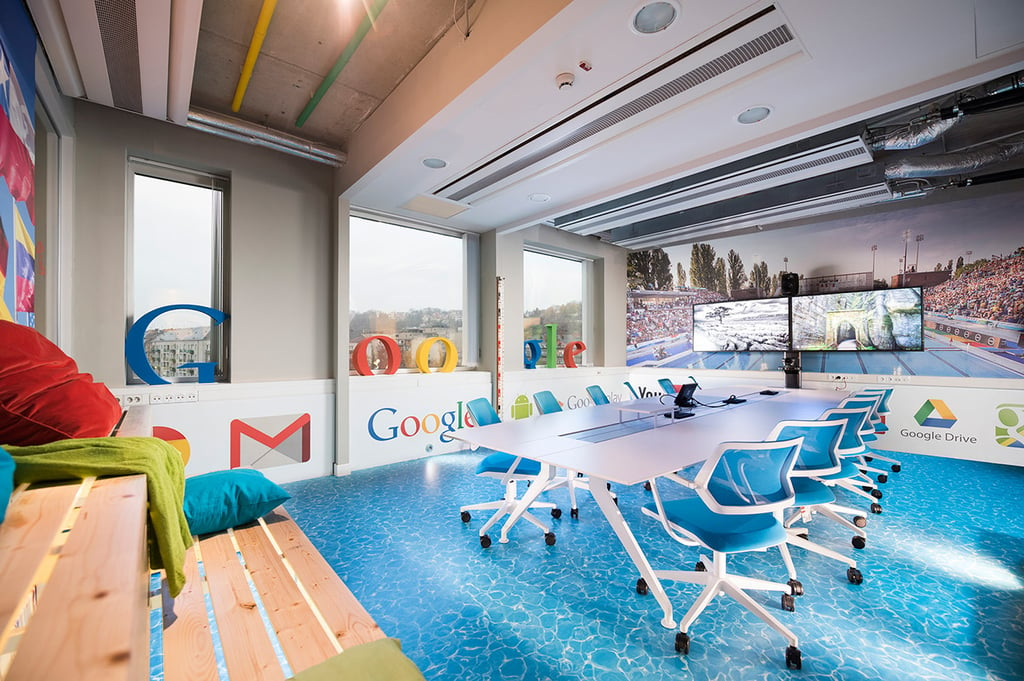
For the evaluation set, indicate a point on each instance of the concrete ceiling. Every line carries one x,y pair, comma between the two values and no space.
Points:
644,148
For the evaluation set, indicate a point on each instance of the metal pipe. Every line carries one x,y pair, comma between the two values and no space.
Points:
258,34
957,163
913,135
241,131
346,55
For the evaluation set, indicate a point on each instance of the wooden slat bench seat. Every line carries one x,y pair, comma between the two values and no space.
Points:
311,613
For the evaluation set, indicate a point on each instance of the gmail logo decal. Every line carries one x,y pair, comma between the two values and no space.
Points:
268,441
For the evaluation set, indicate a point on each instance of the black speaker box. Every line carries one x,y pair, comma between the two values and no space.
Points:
789,282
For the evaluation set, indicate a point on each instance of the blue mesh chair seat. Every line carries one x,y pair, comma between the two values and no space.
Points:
742,490
597,395
811,493
725,533
511,470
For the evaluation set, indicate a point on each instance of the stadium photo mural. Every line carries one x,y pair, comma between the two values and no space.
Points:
932,289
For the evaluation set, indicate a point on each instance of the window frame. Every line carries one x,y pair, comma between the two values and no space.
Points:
220,337
587,289
469,356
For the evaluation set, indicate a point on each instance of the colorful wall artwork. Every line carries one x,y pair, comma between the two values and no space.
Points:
966,254
17,165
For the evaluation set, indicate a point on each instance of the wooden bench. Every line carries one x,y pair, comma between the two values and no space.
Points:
75,593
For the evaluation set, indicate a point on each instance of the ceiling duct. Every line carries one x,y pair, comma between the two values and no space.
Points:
718,185
755,42
757,220
243,131
959,163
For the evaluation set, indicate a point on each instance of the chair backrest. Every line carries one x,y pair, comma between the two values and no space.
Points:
883,404
742,478
668,386
870,402
546,402
482,412
632,390
851,442
819,453
597,394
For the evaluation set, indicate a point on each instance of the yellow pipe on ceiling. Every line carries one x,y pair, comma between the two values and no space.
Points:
258,34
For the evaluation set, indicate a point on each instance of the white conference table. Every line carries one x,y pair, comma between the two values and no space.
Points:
555,441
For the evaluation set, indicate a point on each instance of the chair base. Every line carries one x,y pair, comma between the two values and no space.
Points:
506,506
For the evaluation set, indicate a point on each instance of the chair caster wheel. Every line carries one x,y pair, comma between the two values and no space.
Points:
549,538
683,643
608,485
465,516
793,658
803,535
876,508
485,541
865,488
788,604
556,513
641,586
895,468
858,542
876,493
700,566
647,485
883,478
860,521
796,586
616,500
853,576
574,513
869,458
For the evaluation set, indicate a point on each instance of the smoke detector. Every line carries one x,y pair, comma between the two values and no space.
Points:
564,80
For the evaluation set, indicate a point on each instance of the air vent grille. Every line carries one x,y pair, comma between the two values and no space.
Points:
732,59
120,37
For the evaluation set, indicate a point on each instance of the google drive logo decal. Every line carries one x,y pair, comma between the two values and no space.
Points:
935,414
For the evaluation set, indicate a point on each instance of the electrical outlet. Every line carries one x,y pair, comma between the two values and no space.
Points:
133,399
176,396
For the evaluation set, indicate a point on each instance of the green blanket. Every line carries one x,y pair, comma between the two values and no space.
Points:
169,536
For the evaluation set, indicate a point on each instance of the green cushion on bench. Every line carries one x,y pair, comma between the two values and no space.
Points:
380,660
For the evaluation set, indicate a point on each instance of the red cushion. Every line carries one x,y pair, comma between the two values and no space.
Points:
43,397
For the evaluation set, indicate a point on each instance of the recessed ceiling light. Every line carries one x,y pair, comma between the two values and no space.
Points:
435,163
654,16
539,198
754,114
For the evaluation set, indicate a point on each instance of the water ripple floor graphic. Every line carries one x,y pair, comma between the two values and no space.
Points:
942,598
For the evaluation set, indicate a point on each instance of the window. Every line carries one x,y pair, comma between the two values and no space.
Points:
409,284
177,236
553,294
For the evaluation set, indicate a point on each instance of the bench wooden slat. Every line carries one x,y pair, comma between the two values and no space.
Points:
344,614
87,623
33,519
248,652
188,642
303,640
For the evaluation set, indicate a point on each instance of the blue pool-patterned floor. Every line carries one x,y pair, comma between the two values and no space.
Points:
942,598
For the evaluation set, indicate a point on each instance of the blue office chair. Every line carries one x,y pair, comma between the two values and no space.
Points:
597,394
510,470
853,476
632,390
741,491
869,401
818,456
546,401
668,386
878,421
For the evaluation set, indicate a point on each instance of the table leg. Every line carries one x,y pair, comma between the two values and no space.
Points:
599,489
538,485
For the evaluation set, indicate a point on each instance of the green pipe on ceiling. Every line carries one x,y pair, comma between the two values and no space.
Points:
372,13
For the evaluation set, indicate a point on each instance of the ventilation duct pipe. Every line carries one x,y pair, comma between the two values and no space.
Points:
958,163
240,131
913,135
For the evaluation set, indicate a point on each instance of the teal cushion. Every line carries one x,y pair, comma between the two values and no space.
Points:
6,481
500,462
222,499
811,493
380,660
727,533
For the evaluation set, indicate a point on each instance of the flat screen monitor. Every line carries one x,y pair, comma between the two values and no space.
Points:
684,398
757,325
883,319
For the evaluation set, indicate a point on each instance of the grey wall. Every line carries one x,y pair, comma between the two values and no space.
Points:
280,255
